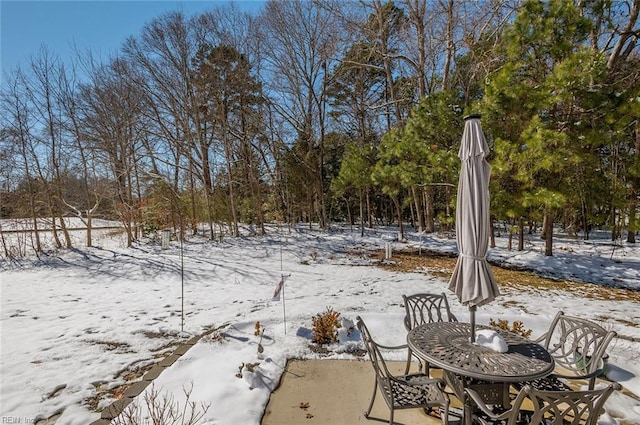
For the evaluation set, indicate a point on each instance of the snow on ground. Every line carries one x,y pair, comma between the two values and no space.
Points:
77,321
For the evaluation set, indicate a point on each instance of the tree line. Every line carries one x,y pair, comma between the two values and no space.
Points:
325,111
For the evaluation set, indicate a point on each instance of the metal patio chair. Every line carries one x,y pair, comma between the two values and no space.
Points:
421,309
549,407
578,347
402,391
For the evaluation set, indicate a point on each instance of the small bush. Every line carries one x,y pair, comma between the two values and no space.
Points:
325,327
162,410
517,327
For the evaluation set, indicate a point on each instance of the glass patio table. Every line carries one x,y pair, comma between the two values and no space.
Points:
447,345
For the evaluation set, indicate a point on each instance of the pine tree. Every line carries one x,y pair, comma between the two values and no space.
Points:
529,106
429,148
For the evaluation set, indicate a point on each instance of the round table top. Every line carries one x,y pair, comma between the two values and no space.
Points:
447,345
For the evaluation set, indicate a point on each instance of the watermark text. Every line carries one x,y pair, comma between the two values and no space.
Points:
16,420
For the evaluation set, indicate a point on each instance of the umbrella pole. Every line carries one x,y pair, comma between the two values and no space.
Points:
472,311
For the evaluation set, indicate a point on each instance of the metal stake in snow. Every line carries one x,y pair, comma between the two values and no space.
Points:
280,288
182,278
284,310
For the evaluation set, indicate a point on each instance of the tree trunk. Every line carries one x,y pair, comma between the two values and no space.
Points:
450,47
418,201
89,230
369,213
429,212
585,221
520,234
615,232
631,231
417,12
231,192
54,229
4,243
635,193
30,188
492,235
412,215
548,232
396,203
361,202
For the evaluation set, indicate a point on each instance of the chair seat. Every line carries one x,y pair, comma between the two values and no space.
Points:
402,391
548,383
415,389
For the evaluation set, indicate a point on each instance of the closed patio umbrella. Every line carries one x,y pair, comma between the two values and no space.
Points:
472,280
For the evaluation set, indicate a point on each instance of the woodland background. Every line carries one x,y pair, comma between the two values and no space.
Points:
326,111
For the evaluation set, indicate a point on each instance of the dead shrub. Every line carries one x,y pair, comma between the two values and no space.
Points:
517,327
325,327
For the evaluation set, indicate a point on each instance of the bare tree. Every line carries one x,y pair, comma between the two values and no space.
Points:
88,205
112,107
17,124
300,41
623,31
164,53
615,34
43,93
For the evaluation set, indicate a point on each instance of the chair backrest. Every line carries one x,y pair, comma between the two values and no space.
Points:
373,350
568,407
426,308
578,345
551,407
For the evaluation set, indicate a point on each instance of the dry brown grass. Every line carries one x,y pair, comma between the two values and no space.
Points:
442,265
122,347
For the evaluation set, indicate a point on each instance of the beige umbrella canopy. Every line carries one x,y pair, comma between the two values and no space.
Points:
472,280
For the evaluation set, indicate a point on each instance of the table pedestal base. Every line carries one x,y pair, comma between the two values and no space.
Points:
496,393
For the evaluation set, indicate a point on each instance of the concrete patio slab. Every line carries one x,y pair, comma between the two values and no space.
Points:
333,392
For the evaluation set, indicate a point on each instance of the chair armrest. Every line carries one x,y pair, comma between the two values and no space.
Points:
540,338
587,376
393,347
595,373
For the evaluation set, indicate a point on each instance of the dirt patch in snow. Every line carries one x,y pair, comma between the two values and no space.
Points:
441,265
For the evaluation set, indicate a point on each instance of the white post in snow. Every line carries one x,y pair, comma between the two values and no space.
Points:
166,235
387,250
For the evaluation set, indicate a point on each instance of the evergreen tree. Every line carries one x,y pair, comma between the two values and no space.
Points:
529,105
355,175
427,154
229,96
389,174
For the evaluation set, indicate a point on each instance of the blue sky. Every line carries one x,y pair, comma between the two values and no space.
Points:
101,26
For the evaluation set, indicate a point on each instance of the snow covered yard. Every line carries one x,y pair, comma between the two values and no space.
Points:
77,323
